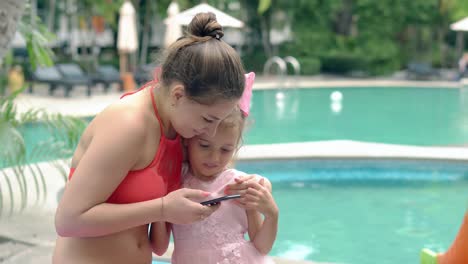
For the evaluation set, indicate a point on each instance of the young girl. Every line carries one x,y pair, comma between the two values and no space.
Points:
219,238
130,156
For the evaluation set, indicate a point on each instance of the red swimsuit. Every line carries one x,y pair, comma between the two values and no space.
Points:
162,176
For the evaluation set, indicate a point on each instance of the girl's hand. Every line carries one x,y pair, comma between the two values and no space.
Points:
258,197
179,208
240,185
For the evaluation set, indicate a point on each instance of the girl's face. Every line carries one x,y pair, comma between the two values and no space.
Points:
190,118
209,156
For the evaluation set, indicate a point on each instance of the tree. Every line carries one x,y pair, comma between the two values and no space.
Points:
10,15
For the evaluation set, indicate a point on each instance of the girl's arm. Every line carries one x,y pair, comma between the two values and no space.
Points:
159,236
262,233
254,221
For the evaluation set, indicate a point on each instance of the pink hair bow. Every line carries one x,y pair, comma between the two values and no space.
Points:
244,103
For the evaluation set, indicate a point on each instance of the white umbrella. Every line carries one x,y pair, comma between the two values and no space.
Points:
185,17
461,25
173,30
127,41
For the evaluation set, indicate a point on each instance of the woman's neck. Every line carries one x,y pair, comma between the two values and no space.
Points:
163,112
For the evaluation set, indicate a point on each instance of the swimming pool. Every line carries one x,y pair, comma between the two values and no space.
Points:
158,262
397,115
365,211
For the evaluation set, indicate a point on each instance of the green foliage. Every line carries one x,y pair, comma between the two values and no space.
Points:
37,37
310,65
263,6
15,153
342,63
7,63
254,59
459,9
377,40
64,134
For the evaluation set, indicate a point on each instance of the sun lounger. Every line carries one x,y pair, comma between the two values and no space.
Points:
73,75
106,75
48,75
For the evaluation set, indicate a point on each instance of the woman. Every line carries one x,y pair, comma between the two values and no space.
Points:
129,157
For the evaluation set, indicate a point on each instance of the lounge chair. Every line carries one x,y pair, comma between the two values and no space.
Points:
48,75
74,75
106,75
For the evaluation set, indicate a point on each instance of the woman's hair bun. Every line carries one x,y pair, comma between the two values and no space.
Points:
205,24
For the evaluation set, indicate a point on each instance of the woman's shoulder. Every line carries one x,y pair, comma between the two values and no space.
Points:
128,117
123,124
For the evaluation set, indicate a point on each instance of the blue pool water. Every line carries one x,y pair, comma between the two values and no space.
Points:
365,211
396,115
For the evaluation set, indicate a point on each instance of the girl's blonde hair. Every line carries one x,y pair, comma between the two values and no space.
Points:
236,120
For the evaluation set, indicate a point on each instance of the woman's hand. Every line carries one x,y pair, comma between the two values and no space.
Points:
179,206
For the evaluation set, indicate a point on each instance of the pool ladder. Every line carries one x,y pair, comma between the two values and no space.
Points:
282,64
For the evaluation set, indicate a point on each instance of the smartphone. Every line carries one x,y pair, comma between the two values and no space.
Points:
219,199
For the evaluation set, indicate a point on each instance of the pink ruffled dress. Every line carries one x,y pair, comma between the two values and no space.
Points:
219,238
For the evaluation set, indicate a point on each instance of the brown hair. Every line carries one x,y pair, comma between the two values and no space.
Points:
208,68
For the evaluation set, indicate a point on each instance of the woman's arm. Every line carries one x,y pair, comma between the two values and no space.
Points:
159,236
114,150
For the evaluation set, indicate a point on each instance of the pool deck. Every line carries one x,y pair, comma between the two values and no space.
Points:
29,237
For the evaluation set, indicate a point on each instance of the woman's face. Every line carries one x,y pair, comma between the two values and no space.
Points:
190,118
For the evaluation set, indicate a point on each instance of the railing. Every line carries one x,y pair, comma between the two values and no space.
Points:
282,111
278,61
295,64
282,65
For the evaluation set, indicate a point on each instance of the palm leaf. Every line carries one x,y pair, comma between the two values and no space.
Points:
64,131
10,192
63,135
